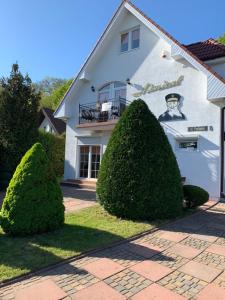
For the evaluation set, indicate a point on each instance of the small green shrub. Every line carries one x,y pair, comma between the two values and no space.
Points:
33,201
139,177
55,149
195,195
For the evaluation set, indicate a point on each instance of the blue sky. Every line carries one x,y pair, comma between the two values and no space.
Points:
53,37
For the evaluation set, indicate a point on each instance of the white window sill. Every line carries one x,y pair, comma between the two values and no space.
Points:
130,50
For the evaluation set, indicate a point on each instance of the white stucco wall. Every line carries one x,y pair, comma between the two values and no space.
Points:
146,65
47,126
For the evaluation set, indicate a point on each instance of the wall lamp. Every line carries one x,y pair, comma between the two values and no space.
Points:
128,81
92,88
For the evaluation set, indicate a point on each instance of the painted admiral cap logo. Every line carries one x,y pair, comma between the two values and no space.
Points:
172,97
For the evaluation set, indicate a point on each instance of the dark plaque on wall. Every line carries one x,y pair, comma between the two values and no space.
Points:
198,128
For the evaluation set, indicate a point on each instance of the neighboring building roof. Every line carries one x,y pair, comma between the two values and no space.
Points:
58,125
207,50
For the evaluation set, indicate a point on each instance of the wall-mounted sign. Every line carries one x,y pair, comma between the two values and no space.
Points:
173,112
198,128
150,88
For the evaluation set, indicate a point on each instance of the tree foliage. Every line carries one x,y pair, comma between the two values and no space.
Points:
53,99
47,85
221,39
33,201
52,91
54,146
19,104
139,177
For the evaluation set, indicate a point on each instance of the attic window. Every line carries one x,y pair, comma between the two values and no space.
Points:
130,40
135,38
124,42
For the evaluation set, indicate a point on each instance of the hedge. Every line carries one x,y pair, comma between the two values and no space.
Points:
195,195
55,148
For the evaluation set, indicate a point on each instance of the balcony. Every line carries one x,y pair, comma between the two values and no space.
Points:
101,116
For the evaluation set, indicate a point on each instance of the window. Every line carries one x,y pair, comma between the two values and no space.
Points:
187,143
192,145
130,40
120,90
124,42
104,93
135,40
114,90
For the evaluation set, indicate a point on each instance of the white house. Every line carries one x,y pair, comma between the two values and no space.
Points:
49,123
184,87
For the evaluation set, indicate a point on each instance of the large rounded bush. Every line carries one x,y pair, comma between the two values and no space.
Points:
139,177
195,195
33,201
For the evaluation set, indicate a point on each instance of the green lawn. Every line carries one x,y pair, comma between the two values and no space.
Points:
83,230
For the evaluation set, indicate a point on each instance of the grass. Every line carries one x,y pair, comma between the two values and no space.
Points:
83,230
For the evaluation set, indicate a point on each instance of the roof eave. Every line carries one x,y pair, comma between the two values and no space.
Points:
97,45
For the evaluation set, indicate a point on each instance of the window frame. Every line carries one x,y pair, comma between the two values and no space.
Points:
128,36
187,139
112,89
130,41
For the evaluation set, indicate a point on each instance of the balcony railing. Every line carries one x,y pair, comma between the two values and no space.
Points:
102,112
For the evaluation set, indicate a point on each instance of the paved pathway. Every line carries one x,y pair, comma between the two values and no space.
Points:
182,260
74,199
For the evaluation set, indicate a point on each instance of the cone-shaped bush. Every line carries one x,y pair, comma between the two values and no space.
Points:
33,201
139,177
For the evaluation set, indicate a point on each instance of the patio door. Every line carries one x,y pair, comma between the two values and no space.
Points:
90,157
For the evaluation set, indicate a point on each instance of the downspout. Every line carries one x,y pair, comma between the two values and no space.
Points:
222,152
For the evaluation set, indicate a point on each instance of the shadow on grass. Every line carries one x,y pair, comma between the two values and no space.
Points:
30,253
24,254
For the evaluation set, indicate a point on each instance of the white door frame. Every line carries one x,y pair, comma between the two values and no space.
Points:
89,160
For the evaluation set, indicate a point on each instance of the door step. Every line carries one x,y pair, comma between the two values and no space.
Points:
81,184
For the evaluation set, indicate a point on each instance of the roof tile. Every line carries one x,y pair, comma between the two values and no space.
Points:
207,50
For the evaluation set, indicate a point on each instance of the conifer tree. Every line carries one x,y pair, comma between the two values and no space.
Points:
18,120
139,177
33,201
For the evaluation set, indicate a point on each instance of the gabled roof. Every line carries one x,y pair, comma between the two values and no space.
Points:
207,50
58,125
177,49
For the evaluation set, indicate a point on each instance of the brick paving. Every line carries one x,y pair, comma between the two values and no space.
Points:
128,283
170,260
212,260
76,199
182,260
183,284
196,243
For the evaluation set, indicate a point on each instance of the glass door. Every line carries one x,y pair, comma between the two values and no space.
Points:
95,161
90,157
84,161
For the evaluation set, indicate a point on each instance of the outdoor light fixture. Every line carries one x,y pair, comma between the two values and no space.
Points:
93,88
128,81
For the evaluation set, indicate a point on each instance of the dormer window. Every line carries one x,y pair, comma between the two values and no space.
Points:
130,40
